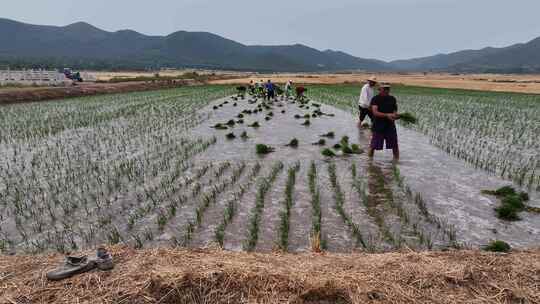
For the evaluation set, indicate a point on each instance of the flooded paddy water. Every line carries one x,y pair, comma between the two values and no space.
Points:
153,171
384,211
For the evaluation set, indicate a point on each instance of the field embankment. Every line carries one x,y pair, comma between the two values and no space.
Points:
18,95
208,276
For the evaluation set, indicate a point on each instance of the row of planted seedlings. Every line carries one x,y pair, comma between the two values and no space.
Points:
69,173
254,221
317,238
288,204
431,230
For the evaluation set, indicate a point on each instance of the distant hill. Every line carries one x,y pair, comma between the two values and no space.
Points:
81,45
518,58
85,46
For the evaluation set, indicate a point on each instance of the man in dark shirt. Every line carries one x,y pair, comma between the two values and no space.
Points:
270,90
384,109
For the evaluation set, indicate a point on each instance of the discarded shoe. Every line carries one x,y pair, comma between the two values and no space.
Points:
104,259
72,266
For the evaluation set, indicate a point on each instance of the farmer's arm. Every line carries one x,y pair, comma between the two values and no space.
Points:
375,110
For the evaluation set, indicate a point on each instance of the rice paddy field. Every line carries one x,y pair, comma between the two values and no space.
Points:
198,166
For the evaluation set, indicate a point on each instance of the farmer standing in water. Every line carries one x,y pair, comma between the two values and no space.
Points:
384,108
366,95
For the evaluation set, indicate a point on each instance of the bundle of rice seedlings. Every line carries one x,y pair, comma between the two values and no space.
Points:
337,147
498,246
240,121
293,143
235,104
283,111
230,123
407,118
219,126
267,118
215,107
306,123
307,116
503,191
512,202
230,136
271,114
244,135
263,149
254,125
328,153
297,116
356,149
240,115
329,135
321,142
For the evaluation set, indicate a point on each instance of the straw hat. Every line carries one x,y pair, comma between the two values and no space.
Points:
372,79
385,85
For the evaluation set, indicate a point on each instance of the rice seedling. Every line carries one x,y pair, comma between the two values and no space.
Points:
263,149
328,153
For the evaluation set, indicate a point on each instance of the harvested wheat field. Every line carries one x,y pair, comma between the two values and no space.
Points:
215,276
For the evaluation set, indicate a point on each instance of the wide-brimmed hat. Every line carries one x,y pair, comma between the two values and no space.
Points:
372,79
384,85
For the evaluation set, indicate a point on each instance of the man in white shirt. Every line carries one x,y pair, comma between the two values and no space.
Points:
364,103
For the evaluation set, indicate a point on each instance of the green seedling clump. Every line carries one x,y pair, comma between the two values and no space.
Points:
511,202
498,246
356,149
408,118
230,123
306,123
255,125
293,143
220,126
230,136
240,115
263,149
329,135
321,142
337,147
244,135
328,153
297,116
240,121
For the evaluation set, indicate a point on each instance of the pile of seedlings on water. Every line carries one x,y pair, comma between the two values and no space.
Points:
254,223
512,202
329,135
320,142
230,136
230,123
219,126
255,125
297,116
263,149
498,246
240,121
244,135
288,204
328,153
293,143
306,123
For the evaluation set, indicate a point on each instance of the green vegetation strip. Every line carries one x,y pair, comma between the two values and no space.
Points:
288,204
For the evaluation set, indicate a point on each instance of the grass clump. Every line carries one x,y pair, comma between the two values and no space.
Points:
328,153
263,149
293,143
498,246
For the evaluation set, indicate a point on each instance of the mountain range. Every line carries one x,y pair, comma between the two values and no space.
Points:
81,45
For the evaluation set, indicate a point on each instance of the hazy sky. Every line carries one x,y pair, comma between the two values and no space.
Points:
382,29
